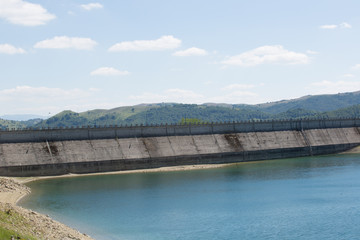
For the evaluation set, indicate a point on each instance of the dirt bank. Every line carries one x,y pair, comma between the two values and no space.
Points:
26,222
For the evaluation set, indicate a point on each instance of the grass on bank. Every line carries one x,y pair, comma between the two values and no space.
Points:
7,234
13,224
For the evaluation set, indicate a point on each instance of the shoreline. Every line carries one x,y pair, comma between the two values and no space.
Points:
25,222
24,180
351,151
13,189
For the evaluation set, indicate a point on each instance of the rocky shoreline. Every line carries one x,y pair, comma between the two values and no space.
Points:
27,222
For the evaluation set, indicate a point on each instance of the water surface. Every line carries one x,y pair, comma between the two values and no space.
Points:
300,198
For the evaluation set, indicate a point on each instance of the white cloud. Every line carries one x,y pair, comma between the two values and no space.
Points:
163,43
190,52
169,95
62,42
335,26
91,6
311,52
238,93
108,71
41,92
267,54
10,49
236,86
27,99
328,87
24,13
357,66
35,100
345,25
237,97
329,26
348,75
188,96
208,82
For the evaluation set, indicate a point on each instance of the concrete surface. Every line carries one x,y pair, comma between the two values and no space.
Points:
51,157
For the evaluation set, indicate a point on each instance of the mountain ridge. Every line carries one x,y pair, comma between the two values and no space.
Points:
310,106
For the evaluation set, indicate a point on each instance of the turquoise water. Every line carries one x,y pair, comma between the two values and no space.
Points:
301,198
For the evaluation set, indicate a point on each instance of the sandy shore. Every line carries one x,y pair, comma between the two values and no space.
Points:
161,169
353,150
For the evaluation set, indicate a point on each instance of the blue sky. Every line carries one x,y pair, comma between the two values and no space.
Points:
82,55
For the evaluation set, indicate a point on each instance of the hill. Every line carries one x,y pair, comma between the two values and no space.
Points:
178,112
4,124
21,117
336,105
320,103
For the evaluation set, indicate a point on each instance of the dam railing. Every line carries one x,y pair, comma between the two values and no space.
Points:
129,131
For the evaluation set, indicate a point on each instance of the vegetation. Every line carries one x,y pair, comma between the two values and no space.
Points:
297,113
13,224
191,121
7,234
318,103
187,113
174,113
321,106
349,112
10,124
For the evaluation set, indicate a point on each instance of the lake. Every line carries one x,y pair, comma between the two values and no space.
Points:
298,198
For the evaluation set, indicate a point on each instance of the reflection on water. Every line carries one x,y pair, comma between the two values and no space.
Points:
301,198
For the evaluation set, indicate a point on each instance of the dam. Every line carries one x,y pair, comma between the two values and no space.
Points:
57,151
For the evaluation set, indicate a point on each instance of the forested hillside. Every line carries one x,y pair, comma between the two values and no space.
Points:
321,106
4,124
176,113
320,103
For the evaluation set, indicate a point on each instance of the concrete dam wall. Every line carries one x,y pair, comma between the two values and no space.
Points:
84,150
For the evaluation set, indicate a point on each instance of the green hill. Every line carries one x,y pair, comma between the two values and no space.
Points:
174,114
349,112
9,124
177,113
151,114
324,106
320,103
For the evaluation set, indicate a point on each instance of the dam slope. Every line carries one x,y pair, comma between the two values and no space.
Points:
32,152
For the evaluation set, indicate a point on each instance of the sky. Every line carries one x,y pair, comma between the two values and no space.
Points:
81,55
